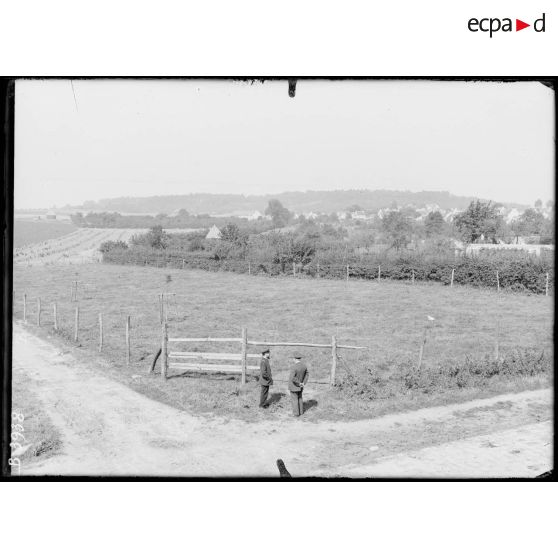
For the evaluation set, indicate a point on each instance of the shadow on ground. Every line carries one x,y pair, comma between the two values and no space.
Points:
275,398
309,404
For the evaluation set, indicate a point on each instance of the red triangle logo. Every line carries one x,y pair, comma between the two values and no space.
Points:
519,25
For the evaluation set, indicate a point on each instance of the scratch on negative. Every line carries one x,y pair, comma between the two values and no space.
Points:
74,93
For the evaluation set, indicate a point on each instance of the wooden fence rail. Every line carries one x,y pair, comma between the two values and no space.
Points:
175,359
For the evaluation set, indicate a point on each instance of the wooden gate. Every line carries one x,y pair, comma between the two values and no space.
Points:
232,363
237,362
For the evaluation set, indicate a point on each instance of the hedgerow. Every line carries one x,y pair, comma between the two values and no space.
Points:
516,272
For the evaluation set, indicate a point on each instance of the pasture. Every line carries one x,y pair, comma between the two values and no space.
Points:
27,231
387,317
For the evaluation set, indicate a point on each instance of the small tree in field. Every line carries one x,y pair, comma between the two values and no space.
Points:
434,224
157,238
398,229
231,233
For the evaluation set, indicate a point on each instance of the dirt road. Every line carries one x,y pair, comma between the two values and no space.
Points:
108,429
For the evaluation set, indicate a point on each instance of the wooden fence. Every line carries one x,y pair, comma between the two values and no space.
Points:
199,361
241,362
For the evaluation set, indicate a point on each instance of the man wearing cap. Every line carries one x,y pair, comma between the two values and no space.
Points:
265,376
297,381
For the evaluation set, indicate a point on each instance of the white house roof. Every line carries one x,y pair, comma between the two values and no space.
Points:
214,233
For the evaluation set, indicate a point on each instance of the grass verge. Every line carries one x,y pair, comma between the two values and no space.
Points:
40,434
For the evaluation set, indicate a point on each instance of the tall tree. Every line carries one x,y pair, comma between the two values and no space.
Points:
529,223
434,224
398,229
280,215
477,220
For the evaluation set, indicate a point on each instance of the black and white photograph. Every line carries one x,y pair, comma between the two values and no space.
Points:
283,278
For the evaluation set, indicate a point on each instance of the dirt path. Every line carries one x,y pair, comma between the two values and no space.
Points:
108,429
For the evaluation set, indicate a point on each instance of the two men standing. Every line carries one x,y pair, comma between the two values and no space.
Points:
297,380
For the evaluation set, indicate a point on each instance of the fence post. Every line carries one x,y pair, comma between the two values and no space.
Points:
25,308
413,277
379,272
294,270
164,351
249,269
55,316
546,286
100,332
318,269
333,359
497,281
452,274
76,324
128,340
243,355
39,311
421,352
182,264
497,341
347,273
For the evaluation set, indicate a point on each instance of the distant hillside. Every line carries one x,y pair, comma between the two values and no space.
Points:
318,201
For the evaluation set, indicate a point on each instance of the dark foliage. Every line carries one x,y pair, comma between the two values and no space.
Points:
472,372
109,245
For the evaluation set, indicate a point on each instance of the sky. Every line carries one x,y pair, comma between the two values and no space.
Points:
91,139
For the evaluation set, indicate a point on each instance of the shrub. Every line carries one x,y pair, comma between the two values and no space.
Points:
109,245
472,372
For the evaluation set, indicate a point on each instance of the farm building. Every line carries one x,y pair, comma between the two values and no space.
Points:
50,216
255,216
530,248
213,234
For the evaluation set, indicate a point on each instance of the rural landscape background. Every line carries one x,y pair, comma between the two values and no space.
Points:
400,234
283,277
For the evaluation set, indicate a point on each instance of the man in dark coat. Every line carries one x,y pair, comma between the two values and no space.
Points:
297,381
266,379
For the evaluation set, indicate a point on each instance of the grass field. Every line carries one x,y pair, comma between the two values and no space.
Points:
388,317
27,231
42,439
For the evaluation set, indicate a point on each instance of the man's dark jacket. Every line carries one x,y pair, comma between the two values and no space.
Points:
265,373
298,377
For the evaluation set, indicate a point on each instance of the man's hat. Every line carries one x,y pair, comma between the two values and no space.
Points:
265,350
297,355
